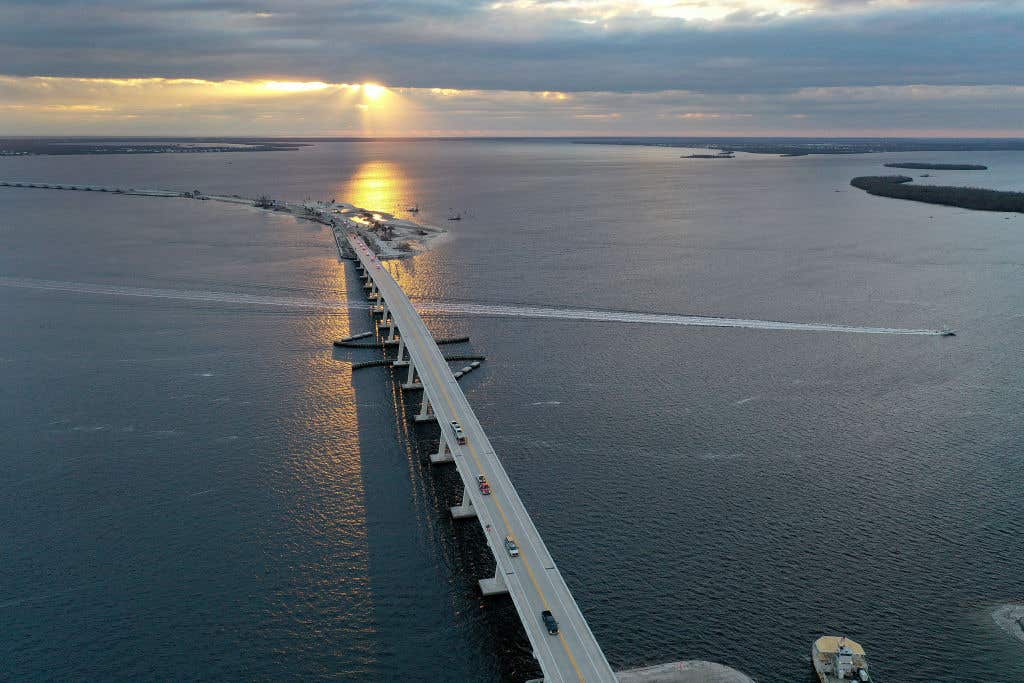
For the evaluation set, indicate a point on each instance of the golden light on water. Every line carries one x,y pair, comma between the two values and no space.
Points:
378,186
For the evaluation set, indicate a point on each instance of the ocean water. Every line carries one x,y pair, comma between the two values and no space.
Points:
197,486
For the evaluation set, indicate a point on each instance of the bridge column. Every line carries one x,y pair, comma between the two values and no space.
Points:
465,509
391,341
426,414
401,361
412,373
495,586
415,383
443,455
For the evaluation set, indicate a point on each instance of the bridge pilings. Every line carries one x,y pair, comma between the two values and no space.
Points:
465,509
426,413
443,455
495,586
401,362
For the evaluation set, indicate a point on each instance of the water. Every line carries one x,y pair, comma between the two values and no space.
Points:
195,485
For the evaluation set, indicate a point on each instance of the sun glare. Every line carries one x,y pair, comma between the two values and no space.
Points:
372,91
378,186
294,86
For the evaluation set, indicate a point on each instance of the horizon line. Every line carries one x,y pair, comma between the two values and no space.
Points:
191,136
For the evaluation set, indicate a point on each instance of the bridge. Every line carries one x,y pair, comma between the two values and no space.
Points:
532,578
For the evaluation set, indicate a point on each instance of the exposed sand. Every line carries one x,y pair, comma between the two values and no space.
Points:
1010,618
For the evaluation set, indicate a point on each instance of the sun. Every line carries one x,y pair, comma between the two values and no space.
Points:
373,92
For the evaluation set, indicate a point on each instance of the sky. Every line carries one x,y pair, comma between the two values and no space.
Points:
942,68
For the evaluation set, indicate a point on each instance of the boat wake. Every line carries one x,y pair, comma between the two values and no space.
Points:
454,308
597,315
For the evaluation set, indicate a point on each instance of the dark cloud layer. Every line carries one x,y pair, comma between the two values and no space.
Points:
449,44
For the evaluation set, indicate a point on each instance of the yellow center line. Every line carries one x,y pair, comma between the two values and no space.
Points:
497,504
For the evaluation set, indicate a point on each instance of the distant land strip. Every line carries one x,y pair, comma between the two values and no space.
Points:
452,308
976,198
936,167
74,146
795,147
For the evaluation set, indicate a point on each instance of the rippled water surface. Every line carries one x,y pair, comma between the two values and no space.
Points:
195,485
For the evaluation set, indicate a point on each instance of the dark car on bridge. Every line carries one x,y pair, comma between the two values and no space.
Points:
549,622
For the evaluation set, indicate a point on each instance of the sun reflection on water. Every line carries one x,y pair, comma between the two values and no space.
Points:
379,186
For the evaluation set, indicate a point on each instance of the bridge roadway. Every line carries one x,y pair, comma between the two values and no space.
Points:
532,580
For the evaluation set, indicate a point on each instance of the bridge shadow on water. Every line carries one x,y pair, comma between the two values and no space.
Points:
423,566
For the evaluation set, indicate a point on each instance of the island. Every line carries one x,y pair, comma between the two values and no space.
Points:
936,167
720,155
976,198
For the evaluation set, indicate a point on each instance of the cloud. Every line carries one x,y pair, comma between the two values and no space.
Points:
533,45
529,66
48,105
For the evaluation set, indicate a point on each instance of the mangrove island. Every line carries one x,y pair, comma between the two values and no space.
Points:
937,167
976,198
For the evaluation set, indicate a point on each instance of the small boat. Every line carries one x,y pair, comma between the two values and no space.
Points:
455,217
415,208
948,333
837,659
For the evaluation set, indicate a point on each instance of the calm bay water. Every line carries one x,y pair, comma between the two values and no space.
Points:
202,489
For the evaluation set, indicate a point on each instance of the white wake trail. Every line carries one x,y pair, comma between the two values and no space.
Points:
461,308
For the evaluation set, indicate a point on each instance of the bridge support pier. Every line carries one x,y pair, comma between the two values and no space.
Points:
401,362
464,510
392,328
426,413
495,586
443,455
413,382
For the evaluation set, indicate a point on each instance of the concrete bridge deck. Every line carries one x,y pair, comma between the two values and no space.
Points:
532,579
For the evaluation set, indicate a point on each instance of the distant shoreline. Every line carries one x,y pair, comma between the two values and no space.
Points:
976,198
18,147
936,167
796,147
782,146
